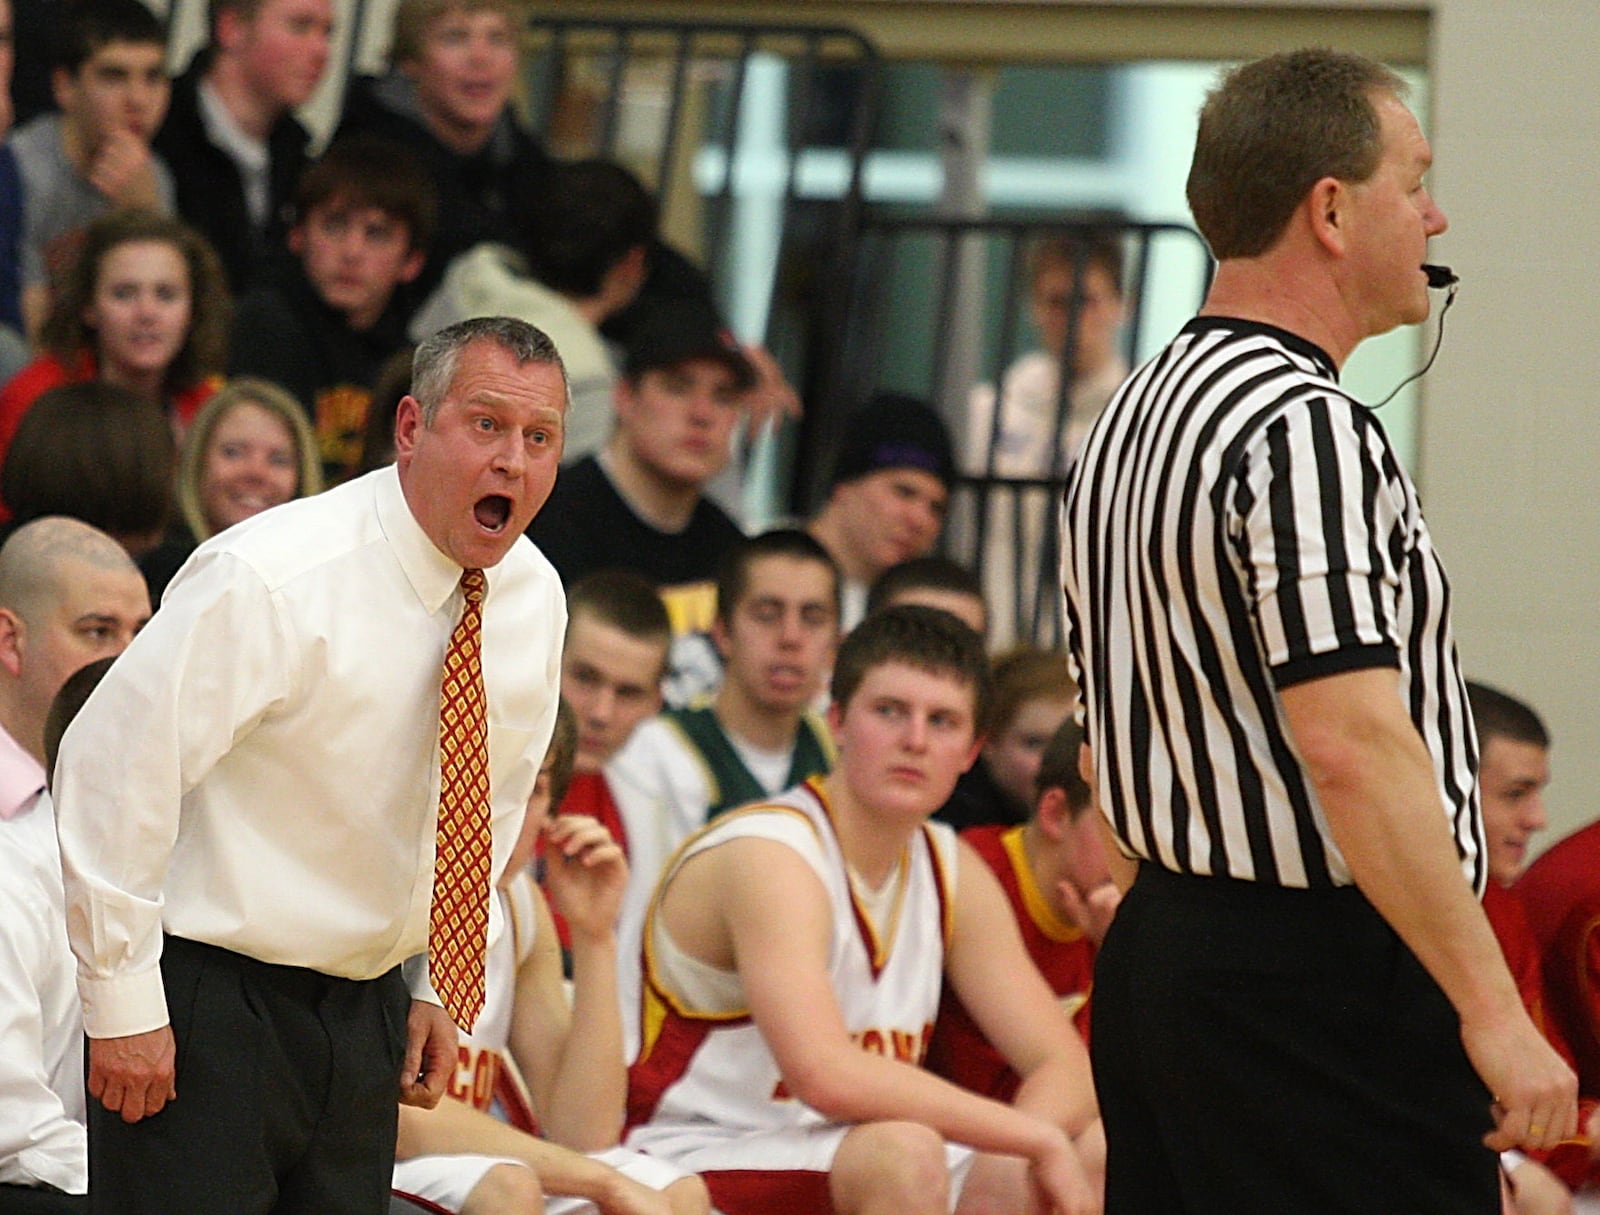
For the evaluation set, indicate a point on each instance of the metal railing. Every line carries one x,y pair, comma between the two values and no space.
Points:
909,292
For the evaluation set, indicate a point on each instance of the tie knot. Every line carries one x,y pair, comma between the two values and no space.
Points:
473,585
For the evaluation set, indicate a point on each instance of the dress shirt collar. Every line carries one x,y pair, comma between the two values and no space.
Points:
21,778
433,576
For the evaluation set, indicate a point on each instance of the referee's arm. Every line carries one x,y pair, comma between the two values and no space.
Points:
1376,785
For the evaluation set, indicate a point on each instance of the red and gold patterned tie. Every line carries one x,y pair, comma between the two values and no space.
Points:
458,930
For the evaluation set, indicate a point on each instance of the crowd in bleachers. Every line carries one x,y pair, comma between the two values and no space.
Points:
202,321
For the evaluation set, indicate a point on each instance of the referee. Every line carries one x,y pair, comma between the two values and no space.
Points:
1277,718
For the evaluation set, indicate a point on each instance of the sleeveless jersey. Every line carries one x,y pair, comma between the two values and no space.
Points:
484,1077
1065,957
706,1073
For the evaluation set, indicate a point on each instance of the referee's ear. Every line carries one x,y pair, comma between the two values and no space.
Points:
1086,764
1324,206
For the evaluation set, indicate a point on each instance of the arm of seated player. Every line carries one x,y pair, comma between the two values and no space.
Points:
1375,783
998,983
1535,1190
453,1128
774,919
571,1056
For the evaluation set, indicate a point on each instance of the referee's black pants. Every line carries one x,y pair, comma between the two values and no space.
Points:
26,1200
1262,1050
288,1088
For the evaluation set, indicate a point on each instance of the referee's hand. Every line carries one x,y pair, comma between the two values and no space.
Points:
1535,1092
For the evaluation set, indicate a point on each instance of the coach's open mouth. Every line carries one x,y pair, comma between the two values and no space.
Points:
492,512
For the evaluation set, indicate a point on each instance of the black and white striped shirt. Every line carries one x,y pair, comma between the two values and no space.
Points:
1235,524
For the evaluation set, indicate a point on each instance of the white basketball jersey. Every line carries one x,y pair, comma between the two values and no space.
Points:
708,1071
483,1078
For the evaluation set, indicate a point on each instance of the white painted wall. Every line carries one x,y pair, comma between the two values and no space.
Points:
1510,452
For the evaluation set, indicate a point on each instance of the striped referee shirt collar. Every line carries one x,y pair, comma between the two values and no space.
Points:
1205,324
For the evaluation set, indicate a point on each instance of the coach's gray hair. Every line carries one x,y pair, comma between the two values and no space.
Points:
433,366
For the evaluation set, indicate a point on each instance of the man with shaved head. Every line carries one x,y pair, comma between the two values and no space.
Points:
307,771
68,595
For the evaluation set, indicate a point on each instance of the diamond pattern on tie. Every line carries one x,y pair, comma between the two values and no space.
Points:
458,929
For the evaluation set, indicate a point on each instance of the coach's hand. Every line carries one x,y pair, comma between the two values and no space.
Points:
134,1076
1535,1092
430,1055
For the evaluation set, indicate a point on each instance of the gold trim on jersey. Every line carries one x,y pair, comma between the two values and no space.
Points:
1033,899
656,1002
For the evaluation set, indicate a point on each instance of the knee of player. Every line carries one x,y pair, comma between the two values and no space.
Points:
506,1189
907,1166
688,1196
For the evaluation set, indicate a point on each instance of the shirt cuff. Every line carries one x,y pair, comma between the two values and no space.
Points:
124,1004
1334,662
415,972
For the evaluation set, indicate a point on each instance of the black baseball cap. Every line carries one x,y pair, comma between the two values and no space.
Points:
675,332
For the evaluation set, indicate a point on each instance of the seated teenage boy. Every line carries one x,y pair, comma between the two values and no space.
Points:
794,954
544,1067
612,665
326,320
776,629
1054,873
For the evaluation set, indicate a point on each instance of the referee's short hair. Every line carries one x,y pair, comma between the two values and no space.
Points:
917,636
1497,714
1270,131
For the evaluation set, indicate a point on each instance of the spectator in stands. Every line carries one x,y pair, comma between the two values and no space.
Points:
449,97
1513,769
794,957
1075,288
776,630
144,308
94,155
1054,874
68,596
1080,272
579,258
1034,694
325,323
936,582
231,139
249,449
564,1095
886,501
640,503
97,453
612,665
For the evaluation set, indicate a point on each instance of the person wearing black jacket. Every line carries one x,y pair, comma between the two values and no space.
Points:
231,139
